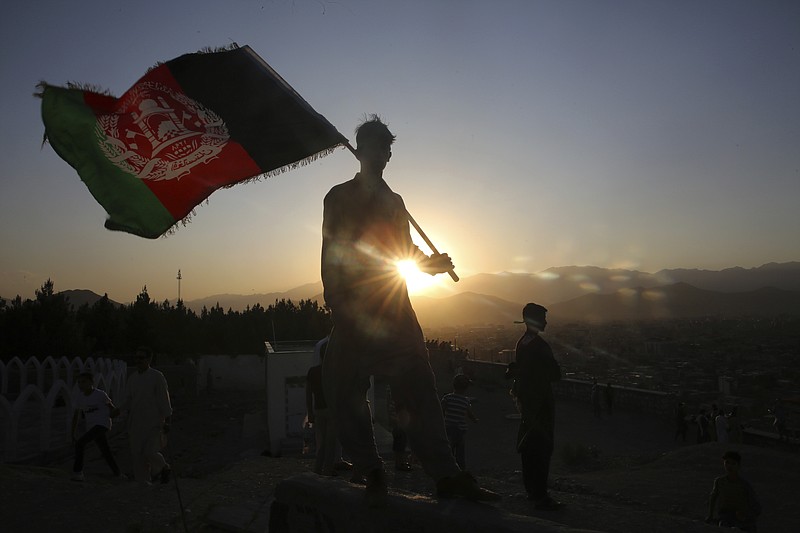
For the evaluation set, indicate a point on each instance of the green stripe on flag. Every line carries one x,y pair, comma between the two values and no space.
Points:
70,128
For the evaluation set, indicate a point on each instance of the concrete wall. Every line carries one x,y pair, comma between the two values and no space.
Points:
239,372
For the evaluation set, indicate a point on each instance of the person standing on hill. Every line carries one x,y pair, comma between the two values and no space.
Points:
721,424
365,233
457,408
733,498
149,410
534,372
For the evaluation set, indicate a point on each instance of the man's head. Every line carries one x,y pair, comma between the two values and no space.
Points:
373,144
461,382
86,382
731,461
534,316
143,357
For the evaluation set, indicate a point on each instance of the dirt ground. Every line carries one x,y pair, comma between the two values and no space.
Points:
624,473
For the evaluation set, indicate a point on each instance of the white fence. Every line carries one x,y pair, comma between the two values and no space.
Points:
37,398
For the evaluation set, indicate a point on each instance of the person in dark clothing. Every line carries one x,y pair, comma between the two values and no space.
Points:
609,394
365,233
733,498
535,370
681,424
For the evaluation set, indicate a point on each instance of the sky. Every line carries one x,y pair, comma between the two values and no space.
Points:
639,134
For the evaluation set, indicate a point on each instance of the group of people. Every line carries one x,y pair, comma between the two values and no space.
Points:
716,426
376,332
365,233
147,404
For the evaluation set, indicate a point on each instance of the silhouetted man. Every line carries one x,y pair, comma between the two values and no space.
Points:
364,234
146,400
535,370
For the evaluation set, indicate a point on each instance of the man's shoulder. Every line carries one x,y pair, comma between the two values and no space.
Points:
98,394
155,373
345,187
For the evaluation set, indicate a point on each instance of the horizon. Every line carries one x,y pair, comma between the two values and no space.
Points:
430,290
637,135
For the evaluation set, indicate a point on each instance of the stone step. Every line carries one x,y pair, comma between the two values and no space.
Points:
310,503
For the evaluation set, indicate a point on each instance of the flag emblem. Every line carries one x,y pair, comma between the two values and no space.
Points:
159,134
189,126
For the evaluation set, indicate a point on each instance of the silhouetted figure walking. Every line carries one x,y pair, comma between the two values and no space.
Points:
534,371
702,427
365,232
721,424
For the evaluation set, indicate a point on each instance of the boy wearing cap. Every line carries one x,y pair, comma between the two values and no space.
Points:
535,370
457,407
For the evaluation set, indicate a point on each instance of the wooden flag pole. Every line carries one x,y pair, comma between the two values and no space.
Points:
452,272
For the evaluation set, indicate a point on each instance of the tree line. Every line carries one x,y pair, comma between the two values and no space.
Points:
49,325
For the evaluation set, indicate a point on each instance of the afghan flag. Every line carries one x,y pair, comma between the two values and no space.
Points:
188,127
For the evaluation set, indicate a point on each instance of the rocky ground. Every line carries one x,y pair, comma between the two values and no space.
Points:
621,473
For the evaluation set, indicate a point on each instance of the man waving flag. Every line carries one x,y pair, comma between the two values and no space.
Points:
186,128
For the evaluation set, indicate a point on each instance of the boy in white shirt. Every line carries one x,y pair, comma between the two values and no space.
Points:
97,409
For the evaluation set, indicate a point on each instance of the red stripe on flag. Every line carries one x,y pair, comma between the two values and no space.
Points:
181,150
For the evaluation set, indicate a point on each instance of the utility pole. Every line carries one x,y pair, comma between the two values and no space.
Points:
179,278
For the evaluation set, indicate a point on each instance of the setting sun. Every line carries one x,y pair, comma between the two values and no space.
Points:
416,280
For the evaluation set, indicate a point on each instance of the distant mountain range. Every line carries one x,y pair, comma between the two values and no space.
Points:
574,293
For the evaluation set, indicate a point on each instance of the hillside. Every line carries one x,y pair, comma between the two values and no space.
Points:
680,300
571,293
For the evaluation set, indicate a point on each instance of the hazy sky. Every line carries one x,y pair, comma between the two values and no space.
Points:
643,134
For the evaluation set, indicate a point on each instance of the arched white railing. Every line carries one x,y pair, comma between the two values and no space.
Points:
37,400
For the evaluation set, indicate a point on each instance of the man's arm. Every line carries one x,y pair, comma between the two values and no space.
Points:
334,252
164,405
432,265
712,502
113,411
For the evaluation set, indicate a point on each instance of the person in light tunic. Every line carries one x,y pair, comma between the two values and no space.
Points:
149,410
